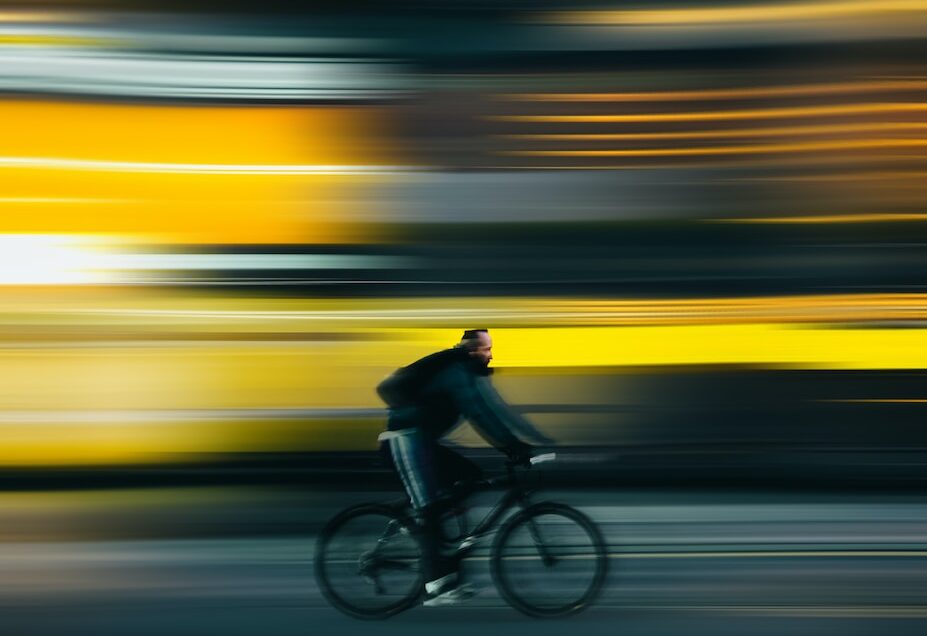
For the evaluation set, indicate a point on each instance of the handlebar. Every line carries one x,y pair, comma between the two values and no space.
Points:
543,457
504,481
531,461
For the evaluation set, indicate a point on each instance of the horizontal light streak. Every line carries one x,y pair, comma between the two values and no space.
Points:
828,218
749,113
752,344
287,374
723,93
238,396
760,344
65,200
386,315
841,308
783,161
819,611
190,262
739,14
880,176
143,416
66,259
101,165
175,173
46,259
771,131
882,401
53,63
41,39
815,146
133,134
773,554
15,16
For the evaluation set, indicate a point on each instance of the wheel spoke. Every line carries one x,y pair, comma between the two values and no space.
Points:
367,563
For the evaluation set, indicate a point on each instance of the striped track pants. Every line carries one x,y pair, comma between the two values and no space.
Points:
413,463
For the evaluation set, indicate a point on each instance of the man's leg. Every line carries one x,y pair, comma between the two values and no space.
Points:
411,457
452,468
415,460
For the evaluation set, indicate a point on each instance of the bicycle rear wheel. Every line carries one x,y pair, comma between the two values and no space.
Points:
367,562
549,561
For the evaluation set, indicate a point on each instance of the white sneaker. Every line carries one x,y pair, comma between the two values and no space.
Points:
453,596
447,591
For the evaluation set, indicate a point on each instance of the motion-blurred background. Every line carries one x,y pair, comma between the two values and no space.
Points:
696,230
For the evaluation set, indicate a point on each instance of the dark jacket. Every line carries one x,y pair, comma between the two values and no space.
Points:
435,392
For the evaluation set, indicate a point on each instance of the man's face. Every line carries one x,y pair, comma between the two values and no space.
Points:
483,349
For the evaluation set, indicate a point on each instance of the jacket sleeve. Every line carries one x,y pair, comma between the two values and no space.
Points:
489,414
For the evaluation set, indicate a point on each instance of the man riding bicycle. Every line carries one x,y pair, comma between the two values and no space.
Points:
426,400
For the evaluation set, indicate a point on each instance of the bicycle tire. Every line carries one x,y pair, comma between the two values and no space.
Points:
329,553
586,556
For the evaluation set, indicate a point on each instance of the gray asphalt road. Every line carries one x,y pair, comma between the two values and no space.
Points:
693,563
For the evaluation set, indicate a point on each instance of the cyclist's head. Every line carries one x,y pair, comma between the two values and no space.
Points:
478,343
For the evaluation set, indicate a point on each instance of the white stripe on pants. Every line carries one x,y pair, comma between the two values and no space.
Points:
408,452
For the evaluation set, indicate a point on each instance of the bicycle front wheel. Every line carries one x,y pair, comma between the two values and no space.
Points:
367,562
549,561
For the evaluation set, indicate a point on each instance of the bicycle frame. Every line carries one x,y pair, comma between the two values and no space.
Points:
515,495
521,536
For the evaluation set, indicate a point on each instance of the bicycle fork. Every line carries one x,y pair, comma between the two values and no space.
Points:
547,558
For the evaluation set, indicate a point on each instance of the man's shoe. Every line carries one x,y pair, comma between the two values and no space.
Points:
447,591
453,596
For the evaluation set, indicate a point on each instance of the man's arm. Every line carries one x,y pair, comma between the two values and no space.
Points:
514,420
492,418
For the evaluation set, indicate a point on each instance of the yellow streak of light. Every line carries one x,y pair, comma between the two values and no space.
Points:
813,146
187,134
16,16
778,161
712,344
146,355
184,207
52,444
749,113
850,308
27,39
829,218
723,93
731,133
223,374
343,374
878,175
753,13
142,311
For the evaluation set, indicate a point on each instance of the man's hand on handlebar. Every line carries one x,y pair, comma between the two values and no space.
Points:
521,455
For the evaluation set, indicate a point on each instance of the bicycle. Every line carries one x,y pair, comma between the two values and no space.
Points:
548,559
